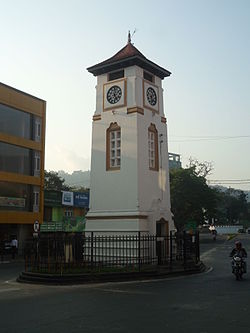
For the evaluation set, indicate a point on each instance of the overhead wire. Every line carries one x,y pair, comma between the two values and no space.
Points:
207,138
229,181
192,138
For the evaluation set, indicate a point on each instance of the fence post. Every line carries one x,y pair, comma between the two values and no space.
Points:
92,249
197,246
171,248
49,254
139,250
184,249
38,248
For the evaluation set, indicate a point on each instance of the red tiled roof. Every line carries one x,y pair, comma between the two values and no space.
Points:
127,51
129,55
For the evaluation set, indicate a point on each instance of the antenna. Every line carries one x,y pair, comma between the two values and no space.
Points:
130,36
134,32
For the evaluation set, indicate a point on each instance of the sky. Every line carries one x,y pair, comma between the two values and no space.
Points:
47,45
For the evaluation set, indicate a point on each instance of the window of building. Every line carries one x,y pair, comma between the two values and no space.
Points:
149,77
68,213
15,196
115,75
38,129
15,159
15,122
113,150
47,214
37,136
37,161
36,197
153,157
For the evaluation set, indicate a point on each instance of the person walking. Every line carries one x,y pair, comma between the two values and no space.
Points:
14,247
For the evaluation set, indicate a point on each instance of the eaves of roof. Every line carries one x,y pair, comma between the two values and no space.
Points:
126,57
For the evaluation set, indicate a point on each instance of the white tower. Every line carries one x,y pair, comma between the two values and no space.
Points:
129,184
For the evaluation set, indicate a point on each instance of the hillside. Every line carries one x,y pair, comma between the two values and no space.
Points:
223,189
77,178
82,179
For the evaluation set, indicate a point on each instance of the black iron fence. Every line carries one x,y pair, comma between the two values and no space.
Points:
66,253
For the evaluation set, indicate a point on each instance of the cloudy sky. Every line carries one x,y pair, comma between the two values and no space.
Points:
46,46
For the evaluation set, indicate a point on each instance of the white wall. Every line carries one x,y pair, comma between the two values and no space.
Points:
114,190
134,188
227,229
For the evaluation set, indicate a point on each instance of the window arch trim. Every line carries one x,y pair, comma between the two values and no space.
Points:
152,129
113,153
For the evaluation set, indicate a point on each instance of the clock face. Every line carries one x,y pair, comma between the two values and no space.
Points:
151,96
114,94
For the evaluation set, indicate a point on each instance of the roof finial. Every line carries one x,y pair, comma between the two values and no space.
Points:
129,37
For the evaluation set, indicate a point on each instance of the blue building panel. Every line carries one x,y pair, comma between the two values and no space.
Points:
81,199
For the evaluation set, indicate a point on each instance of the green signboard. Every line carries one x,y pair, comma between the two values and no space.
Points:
191,226
70,224
52,198
51,226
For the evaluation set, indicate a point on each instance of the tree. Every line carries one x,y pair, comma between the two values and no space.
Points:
191,198
231,206
52,181
202,169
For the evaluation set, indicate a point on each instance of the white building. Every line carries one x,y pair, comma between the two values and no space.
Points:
129,182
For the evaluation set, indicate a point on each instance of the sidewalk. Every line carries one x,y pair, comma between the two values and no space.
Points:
7,259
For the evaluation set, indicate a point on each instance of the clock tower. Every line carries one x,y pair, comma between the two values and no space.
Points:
129,182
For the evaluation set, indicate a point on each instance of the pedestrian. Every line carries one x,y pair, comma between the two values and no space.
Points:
214,233
14,247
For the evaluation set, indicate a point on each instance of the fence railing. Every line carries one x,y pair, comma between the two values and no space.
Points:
62,253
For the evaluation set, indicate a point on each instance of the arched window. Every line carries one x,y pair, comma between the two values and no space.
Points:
153,156
113,147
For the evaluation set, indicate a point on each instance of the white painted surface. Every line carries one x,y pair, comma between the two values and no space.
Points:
228,229
133,190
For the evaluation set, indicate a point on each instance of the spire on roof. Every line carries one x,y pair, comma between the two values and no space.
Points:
128,56
129,37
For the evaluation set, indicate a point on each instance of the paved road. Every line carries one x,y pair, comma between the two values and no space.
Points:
204,303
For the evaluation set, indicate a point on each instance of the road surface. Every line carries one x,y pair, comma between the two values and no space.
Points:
204,303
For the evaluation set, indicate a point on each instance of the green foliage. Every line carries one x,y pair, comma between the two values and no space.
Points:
191,197
193,200
52,181
231,207
74,224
